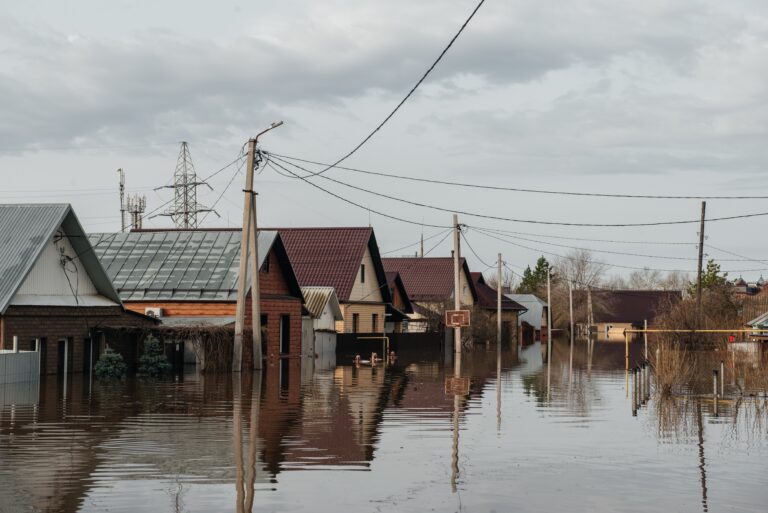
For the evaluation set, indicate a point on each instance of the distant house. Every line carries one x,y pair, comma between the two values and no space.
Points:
189,278
319,327
348,260
54,293
430,283
760,324
487,301
532,322
401,306
626,309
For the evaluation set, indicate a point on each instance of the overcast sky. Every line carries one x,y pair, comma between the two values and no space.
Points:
661,96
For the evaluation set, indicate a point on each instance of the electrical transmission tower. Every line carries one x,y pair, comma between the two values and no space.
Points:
185,206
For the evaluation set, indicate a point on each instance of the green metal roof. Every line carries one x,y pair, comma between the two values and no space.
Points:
169,265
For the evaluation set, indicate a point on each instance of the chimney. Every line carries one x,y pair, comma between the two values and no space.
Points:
451,253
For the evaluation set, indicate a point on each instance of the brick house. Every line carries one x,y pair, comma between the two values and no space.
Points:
348,260
487,304
189,278
401,306
54,293
430,283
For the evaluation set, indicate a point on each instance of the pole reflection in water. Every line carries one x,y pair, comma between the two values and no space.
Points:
237,439
702,461
456,404
253,433
498,387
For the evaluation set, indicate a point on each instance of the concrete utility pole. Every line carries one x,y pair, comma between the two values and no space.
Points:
498,304
249,255
570,309
701,260
590,315
549,328
456,282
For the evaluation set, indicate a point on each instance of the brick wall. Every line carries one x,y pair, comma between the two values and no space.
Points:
71,323
273,308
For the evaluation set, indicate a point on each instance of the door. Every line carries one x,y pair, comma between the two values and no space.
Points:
285,334
87,356
64,356
43,356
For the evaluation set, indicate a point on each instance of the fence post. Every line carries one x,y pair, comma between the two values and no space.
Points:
722,378
714,389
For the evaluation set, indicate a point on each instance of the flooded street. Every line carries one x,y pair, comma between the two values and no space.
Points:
342,438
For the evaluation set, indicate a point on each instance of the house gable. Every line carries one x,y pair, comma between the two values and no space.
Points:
367,289
59,278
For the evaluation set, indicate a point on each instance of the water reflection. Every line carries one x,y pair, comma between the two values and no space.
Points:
383,438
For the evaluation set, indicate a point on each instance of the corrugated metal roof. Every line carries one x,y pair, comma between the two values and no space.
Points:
487,296
316,298
176,265
535,308
25,229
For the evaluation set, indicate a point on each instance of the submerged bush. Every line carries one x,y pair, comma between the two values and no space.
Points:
110,365
153,362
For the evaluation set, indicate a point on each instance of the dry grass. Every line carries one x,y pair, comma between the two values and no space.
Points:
673,367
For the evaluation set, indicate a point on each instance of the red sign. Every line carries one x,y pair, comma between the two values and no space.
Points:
457,318
457,386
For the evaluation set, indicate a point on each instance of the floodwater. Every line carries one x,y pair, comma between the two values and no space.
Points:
339,438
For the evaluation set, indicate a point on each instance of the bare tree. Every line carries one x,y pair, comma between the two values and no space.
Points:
675,280
508,282
580,268
615,282
582,271
646,279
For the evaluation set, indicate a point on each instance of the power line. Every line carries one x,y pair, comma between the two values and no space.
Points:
272,164
736,254
519,189
612,241
598,262
642,255
508,219
413,89
414,243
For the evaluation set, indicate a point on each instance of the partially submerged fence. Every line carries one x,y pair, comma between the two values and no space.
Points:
19,367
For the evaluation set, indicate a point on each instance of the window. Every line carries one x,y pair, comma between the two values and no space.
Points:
362,273
374,323
355,322
285,330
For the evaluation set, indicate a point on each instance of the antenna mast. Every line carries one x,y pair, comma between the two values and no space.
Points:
136,207
122,199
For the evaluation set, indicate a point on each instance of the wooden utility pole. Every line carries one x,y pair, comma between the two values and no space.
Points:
456,282
498,304
249,255
701,261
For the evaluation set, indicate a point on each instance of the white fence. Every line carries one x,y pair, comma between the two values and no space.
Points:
19,367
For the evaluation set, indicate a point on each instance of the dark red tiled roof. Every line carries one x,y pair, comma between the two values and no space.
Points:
331,257
394,281
427,279
487,297
629,306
